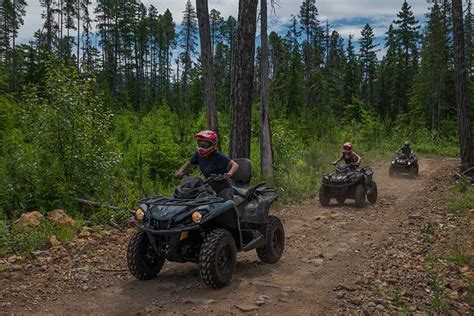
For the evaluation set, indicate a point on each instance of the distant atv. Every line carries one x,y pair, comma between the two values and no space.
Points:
403,164
197,226
349,182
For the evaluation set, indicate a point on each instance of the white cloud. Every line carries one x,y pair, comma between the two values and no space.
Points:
334,10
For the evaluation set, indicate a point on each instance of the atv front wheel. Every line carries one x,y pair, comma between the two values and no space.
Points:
360,196
413,171
373,195
275,242
143,262
217,258
323,198
391,171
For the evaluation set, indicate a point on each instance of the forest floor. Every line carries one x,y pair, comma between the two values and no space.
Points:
388,257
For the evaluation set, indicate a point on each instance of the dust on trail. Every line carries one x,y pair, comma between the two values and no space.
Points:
326,250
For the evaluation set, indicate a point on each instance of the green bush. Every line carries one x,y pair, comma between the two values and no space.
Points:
464,202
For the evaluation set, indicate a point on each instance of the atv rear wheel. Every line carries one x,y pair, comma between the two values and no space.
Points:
217,258
275,242
143,262
341,199
360,196
373,195
323,198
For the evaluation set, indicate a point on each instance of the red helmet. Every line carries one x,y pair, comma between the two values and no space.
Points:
347,146
211,138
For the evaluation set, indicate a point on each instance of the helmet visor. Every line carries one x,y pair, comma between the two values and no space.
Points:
204,144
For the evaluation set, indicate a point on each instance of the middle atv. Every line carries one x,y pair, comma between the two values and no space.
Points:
349,182
196,226
404,164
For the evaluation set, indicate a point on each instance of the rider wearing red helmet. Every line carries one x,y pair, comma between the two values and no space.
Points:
211,161
349,156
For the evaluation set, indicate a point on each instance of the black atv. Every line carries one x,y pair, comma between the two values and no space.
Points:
194,225
403,164
349,182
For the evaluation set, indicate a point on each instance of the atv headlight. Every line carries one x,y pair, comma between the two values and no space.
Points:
393,162
197,217
409,163
139,214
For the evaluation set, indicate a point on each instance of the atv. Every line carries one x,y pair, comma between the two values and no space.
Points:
349,182
404,164
194,225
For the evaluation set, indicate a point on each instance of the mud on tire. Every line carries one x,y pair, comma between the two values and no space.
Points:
217,258
323,198
373,195
143,262
360,196
274,242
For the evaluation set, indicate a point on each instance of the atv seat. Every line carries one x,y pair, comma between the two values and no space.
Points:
240,191
244,174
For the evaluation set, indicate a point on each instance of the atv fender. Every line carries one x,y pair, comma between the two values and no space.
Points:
225,216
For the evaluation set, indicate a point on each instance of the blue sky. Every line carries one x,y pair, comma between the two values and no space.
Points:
346,16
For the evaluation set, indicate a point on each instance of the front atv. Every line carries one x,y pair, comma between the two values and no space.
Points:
402,164
349,183
205,229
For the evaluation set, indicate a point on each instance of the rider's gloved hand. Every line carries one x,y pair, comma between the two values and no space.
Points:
227,176
178,175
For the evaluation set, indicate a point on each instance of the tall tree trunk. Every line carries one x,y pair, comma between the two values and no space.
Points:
207,65
266,160
14,34
465,132
242,86
78,33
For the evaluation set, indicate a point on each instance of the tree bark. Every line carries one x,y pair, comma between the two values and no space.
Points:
266,159
465,132
207,65
242,85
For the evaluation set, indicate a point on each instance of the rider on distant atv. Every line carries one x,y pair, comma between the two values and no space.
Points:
211,161
349,157
406,150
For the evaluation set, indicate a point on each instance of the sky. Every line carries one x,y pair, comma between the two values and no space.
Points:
346,16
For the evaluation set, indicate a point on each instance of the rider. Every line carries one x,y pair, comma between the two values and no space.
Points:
406,149
349,157
211,161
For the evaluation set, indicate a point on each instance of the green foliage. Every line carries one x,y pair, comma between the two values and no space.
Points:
25,240
437,290
464,202
60,146
105,216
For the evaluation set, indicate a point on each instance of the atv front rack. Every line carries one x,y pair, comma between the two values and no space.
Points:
166,201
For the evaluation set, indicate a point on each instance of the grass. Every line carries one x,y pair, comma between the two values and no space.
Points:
24,241
459,254
463,203
437,290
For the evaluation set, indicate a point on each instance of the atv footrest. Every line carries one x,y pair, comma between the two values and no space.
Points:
257,242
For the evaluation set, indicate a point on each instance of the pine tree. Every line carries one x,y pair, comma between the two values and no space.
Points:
217,23
335,74
207,65
309,25
242,84
188,44
407,33
368,63
351,79
11,19
432,83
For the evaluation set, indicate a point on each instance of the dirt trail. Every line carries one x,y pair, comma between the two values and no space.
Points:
327,249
